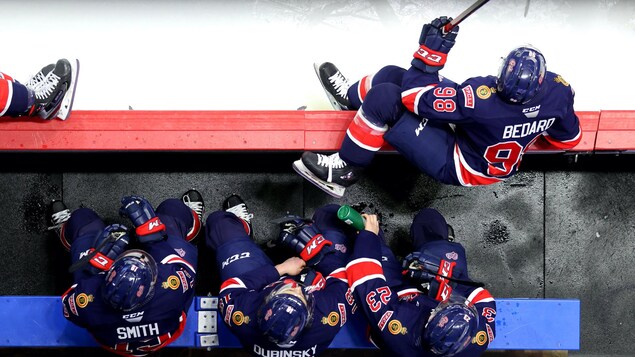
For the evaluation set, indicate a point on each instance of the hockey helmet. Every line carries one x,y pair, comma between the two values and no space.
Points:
129,283
521,74
451,327
287,310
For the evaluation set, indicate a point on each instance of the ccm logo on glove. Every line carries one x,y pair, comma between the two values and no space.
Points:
152,226
316,243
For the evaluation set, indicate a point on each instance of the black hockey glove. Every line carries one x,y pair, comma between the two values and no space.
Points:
434,45
304,238
312,279
431,273
148,227
109,245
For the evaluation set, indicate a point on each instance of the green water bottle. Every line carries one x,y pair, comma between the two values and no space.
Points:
351,217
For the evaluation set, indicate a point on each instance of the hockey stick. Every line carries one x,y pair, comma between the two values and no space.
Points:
462,16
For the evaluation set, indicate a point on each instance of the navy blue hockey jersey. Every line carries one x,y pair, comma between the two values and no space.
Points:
492,134
241,297
397,318
151,326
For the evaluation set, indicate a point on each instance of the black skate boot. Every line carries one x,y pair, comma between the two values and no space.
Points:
235,204
194,200
54,94
335,85
328,172
58,215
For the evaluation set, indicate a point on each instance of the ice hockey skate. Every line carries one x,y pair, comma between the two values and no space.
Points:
329,173
58,214
54,89
36,81
194,200
236,205
69,97
335,85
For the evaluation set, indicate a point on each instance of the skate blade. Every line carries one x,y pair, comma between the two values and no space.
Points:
69,97
332,189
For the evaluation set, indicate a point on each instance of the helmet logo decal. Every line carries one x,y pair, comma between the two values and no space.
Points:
452,255
443,321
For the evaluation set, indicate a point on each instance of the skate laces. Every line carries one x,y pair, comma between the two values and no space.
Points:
35,81
240,210
331,161
47,86
195,206
340,84
59,218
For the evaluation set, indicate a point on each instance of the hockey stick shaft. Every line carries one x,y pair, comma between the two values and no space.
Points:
462,16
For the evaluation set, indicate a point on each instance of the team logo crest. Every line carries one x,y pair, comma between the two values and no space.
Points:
173,283
340,247
483,92
332,319
82,300
480,338
238,318
395,327
559,79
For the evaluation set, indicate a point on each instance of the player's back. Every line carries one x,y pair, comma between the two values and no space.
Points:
495,133
148,327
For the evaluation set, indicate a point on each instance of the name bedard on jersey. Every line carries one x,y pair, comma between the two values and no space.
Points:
522,130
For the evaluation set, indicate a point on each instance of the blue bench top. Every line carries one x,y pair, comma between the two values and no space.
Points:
521,324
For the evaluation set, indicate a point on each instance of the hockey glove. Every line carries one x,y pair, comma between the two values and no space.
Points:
109,245
148,227
431,273
434,45
312,279
304,238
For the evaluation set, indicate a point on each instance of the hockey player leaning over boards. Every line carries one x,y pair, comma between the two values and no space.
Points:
468,134
48,94
295,308
426,306
132,301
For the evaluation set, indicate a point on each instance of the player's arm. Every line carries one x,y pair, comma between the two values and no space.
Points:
442,100
366,277
75,301
565,133
486,307
257,279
